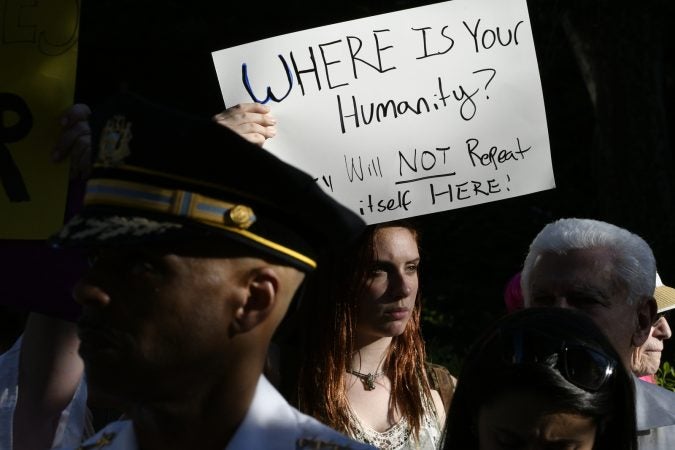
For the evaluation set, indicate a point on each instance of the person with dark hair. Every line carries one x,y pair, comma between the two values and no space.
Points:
363,369
542,378
198,242
608,273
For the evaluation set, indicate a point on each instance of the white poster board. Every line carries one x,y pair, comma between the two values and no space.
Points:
407,113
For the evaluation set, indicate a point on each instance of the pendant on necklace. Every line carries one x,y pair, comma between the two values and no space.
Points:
368,379
369,382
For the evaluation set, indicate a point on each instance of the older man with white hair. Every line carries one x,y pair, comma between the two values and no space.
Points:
608,273
646,359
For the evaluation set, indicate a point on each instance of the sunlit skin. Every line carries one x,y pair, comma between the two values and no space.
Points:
524,421
646,359
384,312
583,280
391,286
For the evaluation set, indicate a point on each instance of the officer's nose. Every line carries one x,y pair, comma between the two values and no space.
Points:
88,293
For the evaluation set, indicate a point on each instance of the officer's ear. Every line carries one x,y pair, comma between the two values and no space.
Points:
646,316
262,290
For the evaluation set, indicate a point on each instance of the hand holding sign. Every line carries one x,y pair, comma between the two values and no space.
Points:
252,121
74,141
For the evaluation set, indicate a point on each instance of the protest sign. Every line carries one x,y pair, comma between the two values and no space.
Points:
407,113
38,50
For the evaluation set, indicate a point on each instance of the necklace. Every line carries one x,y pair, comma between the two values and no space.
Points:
368,379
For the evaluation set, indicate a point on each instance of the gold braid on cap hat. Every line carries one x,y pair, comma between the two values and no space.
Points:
235,218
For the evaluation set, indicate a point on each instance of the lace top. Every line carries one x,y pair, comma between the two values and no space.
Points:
400,435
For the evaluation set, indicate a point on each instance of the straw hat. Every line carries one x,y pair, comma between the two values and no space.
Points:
664,295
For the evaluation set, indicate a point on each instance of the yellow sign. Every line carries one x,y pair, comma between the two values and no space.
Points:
38,56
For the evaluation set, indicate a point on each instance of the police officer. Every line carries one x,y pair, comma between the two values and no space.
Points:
199,241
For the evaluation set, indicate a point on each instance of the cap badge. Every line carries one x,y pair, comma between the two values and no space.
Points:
114,143
240,216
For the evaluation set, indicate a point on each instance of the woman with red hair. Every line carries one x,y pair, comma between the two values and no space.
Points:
364,369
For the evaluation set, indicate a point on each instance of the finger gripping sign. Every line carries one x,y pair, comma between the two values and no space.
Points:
10,175
38,40
407,113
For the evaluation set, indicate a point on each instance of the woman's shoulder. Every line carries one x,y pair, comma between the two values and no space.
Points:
441,380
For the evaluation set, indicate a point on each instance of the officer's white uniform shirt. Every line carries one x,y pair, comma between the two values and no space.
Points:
655,414
270,424
74,420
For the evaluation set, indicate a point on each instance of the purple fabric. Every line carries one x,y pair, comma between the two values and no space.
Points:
38,278
513,296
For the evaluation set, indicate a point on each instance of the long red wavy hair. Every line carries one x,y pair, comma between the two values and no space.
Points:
329,344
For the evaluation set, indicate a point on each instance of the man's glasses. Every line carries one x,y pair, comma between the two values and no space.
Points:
582,366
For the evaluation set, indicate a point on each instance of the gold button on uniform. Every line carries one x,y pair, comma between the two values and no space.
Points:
241,216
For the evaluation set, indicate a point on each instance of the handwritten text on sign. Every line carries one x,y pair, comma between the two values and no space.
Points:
38,50
407,113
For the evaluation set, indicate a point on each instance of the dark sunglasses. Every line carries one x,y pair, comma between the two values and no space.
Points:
668,315
582,366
